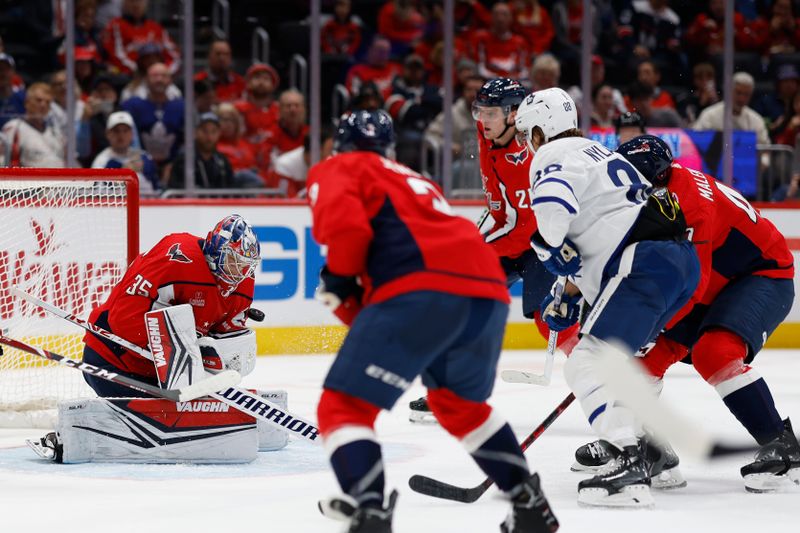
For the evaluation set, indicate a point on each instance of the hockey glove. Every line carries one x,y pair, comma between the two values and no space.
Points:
341,294
561,260
565,316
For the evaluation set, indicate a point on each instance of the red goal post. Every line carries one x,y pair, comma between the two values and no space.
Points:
67,237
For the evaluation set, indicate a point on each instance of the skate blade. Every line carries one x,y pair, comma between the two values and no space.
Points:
422,417
337,508
668,480
48,454
578,467
633,497
766,483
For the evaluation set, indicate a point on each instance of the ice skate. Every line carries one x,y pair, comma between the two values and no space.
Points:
593,456
626,483
48,447
420,412
530,512
776,463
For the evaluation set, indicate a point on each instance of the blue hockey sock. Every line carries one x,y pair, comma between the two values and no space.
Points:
502,460
358,466
754,407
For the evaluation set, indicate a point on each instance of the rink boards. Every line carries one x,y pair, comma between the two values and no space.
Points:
295,322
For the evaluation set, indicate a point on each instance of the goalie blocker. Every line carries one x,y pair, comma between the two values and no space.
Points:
145,430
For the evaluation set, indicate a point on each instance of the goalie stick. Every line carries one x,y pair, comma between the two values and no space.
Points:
440,489
627,384
520,376
196,390
238,398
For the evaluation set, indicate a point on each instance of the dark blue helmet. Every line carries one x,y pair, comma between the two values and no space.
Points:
369,131
500,92
651,156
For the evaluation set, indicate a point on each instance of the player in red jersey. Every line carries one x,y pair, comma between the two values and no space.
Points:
746,291
508,222
214,275
423,295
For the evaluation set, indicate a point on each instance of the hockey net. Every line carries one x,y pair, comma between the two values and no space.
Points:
66,237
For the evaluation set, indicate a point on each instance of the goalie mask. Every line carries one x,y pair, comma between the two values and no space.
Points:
232,252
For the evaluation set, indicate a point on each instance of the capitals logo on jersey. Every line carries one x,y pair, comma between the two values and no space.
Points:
517,158
175,254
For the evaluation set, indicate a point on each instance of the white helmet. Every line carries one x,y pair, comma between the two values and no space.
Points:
551,109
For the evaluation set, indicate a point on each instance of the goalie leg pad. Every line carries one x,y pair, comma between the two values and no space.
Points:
128,430
610,421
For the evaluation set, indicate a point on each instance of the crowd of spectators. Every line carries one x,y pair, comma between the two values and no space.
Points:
659,58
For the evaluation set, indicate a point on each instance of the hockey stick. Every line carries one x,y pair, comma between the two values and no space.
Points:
520,376
236,397
196,390
627,383
440,489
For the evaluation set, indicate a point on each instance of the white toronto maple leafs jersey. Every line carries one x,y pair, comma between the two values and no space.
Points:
584,192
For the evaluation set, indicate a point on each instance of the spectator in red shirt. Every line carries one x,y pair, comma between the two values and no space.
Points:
499,52
228,84
238,151
471,15
648,74
707,32
401,23
378,69
342,34
86,33
259,108
288,132
532,21
126,34
784,29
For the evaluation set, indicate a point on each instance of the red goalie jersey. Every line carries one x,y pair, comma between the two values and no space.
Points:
731,238
505,171
393,228
173,272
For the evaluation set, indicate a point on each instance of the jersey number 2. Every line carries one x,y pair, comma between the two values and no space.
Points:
424,188
621,171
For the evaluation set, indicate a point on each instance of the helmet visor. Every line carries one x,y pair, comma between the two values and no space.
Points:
487,113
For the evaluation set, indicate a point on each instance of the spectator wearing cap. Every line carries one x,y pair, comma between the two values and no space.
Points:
703,93
377,69
259,109
232,145
532,21
120,152
124,37
598,76
401,23
149,55
498,51
464,127
341,35
212,170
91,137
640,96
368,98
12,99
775,104
36,141
706,34
545,72
228,84
629,125
158,119
288,132
783,29
291,169
744,117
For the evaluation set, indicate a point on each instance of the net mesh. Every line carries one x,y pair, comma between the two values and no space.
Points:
64,242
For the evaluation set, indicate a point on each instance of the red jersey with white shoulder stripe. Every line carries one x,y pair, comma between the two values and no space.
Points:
731,237
505,171
393,229
173,272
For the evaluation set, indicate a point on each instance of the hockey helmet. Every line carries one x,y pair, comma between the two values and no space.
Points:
552,110
232,252
499,92
630,119
370,131
651,156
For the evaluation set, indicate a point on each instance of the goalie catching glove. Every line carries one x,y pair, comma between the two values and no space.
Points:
563,260
341,294
567,313
229,351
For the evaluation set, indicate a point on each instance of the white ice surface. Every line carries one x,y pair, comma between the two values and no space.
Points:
278,493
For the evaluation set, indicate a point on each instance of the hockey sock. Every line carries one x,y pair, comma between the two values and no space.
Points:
485,435
663,355
719,357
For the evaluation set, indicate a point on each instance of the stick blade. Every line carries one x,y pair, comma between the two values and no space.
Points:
218,382
438,489
520,376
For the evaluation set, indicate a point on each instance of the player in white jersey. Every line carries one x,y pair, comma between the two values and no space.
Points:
623,252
